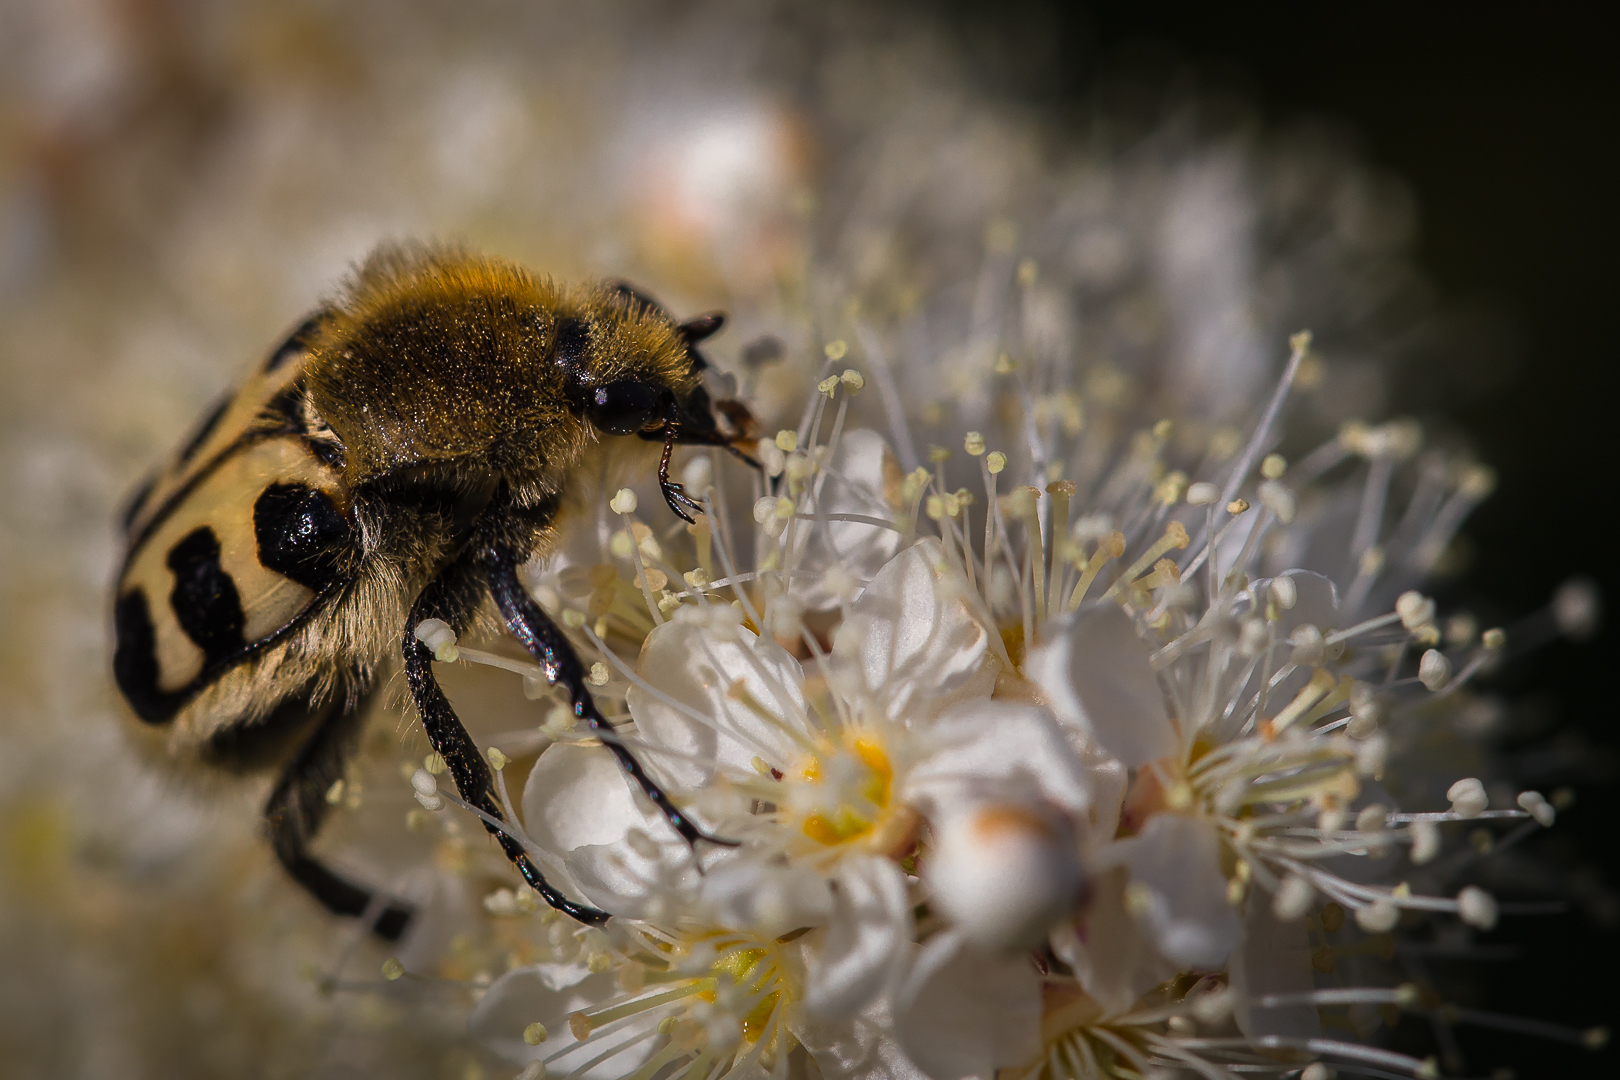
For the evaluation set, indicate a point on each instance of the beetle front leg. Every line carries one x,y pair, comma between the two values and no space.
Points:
450,738
551,649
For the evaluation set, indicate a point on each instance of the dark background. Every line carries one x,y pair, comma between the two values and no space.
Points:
1504,127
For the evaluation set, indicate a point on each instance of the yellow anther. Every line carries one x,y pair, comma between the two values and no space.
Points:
995,462
973,444
835,350
787,441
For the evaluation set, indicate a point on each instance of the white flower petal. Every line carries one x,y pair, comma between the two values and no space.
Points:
1108,779
853,482
869,931
524,996
1108,951
1273,958
911,642
769,899
701,667
578,795
986,746
578,804
1096,673
858,1047
615,878
964,1013
1179,888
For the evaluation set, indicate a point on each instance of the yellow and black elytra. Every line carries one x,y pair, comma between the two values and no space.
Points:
396,459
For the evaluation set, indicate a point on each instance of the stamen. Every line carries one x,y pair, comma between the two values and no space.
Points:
1061,491
1175,536
1109,547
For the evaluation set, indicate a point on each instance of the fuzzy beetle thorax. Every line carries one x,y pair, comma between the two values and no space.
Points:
442,358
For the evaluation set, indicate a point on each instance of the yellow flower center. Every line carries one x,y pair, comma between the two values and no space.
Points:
864,777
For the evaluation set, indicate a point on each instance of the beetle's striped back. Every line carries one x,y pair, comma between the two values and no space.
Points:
233,543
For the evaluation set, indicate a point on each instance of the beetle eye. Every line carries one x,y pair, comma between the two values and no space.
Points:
622,408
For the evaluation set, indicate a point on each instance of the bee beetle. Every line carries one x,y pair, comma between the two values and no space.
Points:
396,459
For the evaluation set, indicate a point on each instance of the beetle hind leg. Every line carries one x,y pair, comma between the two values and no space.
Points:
296,808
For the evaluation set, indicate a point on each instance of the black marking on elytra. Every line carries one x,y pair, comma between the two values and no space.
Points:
301,534
573,338
283,414
135,665
297,342
137,500
205,429
328,451
286,409
204,600
289,411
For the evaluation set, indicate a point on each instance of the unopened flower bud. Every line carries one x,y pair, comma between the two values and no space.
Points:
1004,873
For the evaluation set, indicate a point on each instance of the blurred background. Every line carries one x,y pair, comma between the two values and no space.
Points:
179,180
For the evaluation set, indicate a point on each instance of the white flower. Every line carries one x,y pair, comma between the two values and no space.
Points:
1004,872
966,1013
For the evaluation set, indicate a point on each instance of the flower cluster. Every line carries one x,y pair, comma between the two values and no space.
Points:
1062,789
1082,769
